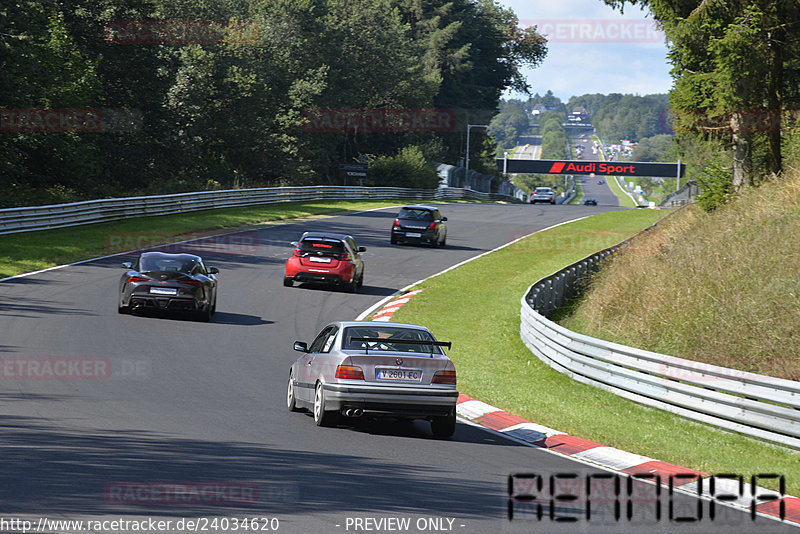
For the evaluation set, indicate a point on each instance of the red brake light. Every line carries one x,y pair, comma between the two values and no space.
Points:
297,251
345,257
444,377
193,283
396,222
134,279
349,372
432,226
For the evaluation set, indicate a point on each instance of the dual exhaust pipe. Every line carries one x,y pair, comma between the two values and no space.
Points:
353,412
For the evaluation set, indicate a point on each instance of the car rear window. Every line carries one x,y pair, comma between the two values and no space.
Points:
387,335
541,190
415,214
325,246
174,265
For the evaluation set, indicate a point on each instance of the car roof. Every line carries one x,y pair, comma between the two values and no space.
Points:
325,235
167,255
373,324
419,207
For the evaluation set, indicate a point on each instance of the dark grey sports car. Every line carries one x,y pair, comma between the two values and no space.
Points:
169,282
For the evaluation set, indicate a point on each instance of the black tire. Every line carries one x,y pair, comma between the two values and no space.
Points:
445,426
321,417
360,281
214,306
393,240
205,315
351,287
291,402
124,310
288,281
444,241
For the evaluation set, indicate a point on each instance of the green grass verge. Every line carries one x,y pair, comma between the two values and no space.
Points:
31,251
497,368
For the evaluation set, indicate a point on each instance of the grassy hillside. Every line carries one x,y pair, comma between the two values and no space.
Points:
721,288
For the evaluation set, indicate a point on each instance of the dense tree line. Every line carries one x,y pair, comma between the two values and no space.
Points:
239,105
616,116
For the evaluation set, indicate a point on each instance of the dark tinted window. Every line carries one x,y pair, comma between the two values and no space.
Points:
160,263
415,214
388,336
319,344
326,246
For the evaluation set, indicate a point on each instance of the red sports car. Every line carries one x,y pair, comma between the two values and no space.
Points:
327,258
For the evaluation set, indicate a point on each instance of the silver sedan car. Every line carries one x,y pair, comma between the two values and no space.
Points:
373,369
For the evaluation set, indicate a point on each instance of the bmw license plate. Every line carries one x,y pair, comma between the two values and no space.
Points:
163,291
413,234
318,259
399,375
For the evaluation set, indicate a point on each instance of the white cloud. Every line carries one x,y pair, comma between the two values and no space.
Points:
637,65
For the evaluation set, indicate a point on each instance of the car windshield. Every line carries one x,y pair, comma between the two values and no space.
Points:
542,189
415,214
166,264
389,337
326,246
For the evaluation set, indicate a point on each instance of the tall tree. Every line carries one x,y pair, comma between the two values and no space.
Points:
731,68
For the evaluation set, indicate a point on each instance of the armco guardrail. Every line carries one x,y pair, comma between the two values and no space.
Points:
62,215
749,403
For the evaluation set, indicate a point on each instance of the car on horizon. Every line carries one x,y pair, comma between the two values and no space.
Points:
159,281
328,258
601,182
419,224
543,194
374,370
590,201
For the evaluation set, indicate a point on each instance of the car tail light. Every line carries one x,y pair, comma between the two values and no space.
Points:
444,377
396,223
134,279
432,226
297,252
349,372
193,283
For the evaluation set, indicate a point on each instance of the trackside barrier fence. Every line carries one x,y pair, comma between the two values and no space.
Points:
14,220
749,403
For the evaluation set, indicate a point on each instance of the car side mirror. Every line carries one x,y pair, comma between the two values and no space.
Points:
444,219
362,249
127,264
293,243
301,346
213,270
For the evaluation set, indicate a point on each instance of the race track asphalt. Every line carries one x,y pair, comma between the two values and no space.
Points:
188,402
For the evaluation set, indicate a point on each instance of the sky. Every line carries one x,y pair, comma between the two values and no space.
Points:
594,49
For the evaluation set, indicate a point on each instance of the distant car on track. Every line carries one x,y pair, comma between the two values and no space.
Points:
601,182
419,224
328,258
169,282
543,194
375,370
590,201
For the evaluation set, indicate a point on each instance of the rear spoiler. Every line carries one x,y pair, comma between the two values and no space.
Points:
447,344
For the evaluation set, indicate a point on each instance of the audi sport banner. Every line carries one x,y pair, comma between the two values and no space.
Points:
596,168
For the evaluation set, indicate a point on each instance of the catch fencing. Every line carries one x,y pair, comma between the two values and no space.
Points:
26,219
749,403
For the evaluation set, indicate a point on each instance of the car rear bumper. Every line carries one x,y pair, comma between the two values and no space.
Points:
427,236
152,302
392,401
327,278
